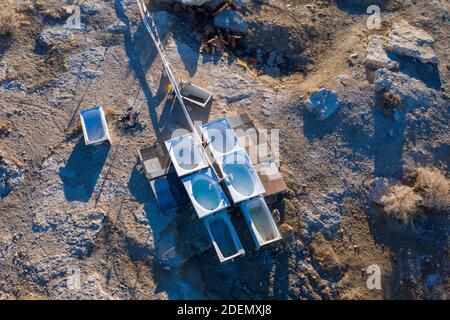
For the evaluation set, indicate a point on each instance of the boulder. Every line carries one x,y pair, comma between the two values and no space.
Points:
405,40
117,27
323,103
232,20
91,9
413,92
379,188
376,56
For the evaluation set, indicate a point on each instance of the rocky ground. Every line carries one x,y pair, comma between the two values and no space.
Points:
65,206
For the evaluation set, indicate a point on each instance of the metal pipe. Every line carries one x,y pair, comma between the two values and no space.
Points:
151,28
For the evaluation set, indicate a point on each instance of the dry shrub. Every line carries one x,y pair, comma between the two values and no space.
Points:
434,188
55,9
111,112
389,102
401,202
8,18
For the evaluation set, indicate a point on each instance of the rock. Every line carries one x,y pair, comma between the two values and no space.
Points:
353,59
392,132
140,216
376,56
419,157
49,38
408,41
91,9
342,79
13,85
117,27
380,187
230,19
266,112
196,3
413,92
275,59
11,176
323,103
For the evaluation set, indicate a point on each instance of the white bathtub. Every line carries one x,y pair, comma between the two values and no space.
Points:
186,155
220,137
94,126
223,236
260,221
240,176
206,194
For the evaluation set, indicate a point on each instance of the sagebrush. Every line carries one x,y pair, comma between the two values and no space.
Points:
401,202
429,191
434,189
8,18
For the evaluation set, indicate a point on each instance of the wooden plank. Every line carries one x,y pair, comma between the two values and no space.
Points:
155,161
260,153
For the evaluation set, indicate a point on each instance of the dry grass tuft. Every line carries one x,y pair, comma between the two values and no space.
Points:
434,188
401,202
389,102
430,192
111,111
8,18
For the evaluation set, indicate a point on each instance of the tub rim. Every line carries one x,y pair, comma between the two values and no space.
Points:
244,206
102,118
179,169
239,248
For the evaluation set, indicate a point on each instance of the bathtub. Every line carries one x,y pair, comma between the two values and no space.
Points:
260,221
186,155
205,192
223,236
94,126
220,137
241,178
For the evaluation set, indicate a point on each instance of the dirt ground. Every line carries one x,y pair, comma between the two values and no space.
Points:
70,205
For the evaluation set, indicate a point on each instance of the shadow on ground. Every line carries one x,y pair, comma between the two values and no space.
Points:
139,186
81,172
384,145
419,254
